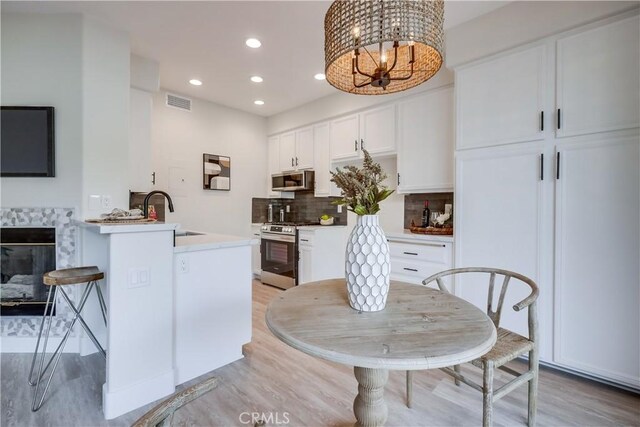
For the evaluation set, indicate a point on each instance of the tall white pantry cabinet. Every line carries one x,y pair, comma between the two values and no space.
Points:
548,185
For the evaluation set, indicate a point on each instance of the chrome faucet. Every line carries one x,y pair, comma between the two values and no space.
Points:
145,208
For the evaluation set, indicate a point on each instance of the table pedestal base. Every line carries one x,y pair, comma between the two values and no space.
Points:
369,406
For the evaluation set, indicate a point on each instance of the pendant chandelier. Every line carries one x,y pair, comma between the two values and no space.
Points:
375,47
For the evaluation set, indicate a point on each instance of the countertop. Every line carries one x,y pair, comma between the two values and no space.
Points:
207,241
407,235
126,228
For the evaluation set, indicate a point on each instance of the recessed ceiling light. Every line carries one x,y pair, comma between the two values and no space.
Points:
195,82
258,102
253,43
319,76
256,79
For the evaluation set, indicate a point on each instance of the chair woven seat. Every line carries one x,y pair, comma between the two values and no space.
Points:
508,346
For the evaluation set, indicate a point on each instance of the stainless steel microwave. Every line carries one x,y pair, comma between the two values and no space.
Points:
292,181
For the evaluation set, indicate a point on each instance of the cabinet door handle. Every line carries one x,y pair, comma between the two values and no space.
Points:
558,166
410,269
355,145
304,240
292,161
559,118
410,253
398,179
153,178
296,161
361,144
542,167
541,121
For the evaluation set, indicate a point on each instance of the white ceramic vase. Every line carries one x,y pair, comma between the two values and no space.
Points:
367,265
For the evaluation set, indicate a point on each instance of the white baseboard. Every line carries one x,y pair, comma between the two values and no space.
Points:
28,344
119,402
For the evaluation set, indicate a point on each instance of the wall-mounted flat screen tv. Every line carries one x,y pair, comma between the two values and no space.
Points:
27,146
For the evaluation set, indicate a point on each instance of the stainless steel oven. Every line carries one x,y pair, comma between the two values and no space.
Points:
279,255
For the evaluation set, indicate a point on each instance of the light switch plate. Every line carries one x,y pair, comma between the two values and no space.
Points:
138,277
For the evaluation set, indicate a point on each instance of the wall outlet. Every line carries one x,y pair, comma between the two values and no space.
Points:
183,265
339,208
105,201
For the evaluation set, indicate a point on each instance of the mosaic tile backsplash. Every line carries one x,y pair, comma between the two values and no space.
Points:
66,257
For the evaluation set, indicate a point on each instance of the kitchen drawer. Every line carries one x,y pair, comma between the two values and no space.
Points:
416,269
435,252
305,238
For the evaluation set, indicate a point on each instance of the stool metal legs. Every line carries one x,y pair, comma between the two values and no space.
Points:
55,357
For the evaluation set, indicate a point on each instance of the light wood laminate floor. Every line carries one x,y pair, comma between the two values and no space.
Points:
286,384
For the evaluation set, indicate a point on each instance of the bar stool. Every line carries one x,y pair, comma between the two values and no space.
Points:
56,280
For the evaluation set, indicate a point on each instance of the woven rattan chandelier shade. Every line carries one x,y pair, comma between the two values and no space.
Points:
408,34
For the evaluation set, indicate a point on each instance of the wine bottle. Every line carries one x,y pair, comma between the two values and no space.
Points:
426,214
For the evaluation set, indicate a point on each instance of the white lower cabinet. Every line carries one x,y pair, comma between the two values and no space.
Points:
570,223
597,258
415,259
502,211
321,253
212,309
256,266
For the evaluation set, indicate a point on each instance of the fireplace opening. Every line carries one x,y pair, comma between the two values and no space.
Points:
27,253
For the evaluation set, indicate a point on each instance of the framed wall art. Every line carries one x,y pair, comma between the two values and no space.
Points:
216,172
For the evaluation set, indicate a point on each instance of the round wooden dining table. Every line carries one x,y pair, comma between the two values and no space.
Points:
420,328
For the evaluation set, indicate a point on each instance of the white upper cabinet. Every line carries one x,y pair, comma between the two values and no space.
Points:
321,159
344,136
597,73
304,148
287,152
373,130
425,142
378,130
296,150
501,100
273,151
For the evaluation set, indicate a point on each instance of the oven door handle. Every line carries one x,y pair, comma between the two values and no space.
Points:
278,238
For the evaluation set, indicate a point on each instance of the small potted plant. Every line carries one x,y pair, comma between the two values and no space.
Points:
367,264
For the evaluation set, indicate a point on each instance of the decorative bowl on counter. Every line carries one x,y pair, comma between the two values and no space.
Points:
326,221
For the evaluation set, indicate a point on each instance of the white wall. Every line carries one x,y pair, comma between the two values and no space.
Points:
105,99
179,138
42,65
522,22
81,68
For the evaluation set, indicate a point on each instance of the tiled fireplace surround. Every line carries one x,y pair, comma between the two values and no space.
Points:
66,256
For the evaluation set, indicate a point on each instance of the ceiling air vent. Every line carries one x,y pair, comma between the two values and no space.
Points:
178,102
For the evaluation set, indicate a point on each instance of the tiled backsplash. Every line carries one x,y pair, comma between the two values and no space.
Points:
303,208
414,204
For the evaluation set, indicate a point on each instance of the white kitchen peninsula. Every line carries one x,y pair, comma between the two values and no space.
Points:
138,264
160,322
212,302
